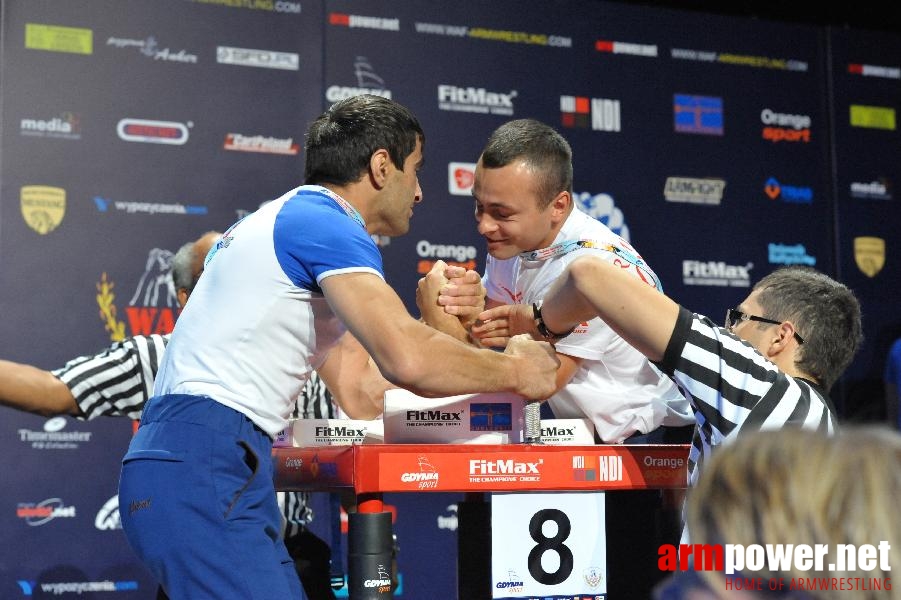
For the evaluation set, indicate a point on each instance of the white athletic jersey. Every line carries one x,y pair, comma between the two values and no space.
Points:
615,386
257,322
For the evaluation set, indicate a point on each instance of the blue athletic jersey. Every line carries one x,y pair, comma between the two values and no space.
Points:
257,322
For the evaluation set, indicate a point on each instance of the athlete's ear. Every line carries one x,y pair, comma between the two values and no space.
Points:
560,206
379,167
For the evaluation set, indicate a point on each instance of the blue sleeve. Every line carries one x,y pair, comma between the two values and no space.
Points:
313,238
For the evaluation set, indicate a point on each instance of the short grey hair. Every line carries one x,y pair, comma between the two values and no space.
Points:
183,267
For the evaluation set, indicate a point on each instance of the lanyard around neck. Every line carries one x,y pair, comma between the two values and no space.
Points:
567,246
351,212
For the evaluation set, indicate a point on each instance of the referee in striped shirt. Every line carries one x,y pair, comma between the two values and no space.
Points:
118,382
770,365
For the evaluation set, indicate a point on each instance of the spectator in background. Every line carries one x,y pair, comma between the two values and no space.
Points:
892,381
791,487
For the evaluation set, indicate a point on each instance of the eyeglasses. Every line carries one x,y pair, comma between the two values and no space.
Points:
735,316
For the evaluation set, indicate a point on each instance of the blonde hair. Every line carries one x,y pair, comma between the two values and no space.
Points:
795,486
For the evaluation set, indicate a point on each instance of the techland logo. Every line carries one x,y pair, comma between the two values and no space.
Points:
152,308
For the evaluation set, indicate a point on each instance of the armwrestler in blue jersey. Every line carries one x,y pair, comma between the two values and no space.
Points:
279,290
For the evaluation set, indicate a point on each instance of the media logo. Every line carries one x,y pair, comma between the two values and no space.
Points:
872,117
716,273
425,477
874,71
490,416
787,193
150,48
460,177
55,38
250,57
279,6
454,254
449,521
704,190
52,436
43,207
363,22
603,208
153,308
477,100
612,47
698,114
601,114
150,208
597,468
593,576
823,563
879,189
783,254
40,513
513,583
869,254
368,82
260,143
107,518
784,127
153,132
483,470
67,126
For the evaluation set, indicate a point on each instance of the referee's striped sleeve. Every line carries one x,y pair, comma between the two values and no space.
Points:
118,381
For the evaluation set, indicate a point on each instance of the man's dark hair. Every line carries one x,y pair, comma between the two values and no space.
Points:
341,140
825,313
540,147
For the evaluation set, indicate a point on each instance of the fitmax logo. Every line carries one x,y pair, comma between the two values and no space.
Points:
434,415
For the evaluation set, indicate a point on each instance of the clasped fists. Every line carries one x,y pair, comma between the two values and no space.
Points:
463,296
538,369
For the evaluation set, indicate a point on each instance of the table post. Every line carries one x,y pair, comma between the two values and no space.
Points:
370,548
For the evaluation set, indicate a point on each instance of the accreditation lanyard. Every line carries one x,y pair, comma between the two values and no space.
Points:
352,212
567,246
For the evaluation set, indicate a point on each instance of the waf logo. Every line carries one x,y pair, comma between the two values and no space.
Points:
153,132
152,308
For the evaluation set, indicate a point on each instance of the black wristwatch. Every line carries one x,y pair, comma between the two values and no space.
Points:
542,328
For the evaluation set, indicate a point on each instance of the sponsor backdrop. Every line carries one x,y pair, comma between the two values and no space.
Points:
721,147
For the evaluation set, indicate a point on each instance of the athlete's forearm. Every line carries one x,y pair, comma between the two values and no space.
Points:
29,389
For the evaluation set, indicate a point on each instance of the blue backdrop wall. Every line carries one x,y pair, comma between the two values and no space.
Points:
721,147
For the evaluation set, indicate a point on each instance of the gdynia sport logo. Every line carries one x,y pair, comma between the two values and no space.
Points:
807,567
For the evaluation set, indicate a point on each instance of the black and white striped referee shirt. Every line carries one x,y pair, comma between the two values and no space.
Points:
118,382
733,388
